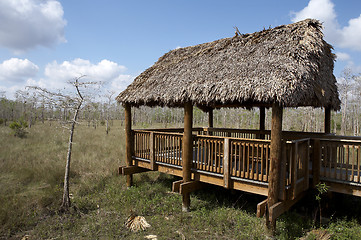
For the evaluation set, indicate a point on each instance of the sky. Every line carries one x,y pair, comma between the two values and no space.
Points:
46,43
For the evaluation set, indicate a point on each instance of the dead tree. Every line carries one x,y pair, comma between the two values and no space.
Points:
65,205
109,97
73,102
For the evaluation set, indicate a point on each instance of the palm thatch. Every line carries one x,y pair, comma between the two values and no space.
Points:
290,64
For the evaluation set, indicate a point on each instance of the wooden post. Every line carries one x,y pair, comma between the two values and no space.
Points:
226,164
153,165
210,118
327,120
128,140
187,152
262,117
316,162
275,160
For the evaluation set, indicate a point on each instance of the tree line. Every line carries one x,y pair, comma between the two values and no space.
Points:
33,108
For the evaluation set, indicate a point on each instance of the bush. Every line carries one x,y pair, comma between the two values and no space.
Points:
18,128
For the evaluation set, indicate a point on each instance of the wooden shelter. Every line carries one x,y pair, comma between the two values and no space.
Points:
287,66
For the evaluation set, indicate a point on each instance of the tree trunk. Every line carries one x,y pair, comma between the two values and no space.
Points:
65,205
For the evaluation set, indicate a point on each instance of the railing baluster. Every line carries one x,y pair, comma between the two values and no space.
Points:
347,161
252,161
239,159
243,173
212,155
358,163
353,163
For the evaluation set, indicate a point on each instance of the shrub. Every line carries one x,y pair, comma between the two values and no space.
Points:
18,128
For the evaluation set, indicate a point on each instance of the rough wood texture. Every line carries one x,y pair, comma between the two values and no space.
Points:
327,120
131,170
191,186
176,186
262,123
261,208
278,208
128,140
275,159
187,151
210,118
151,152
226,165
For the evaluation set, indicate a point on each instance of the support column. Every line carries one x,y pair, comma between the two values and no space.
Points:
210,118
327,120
128,140
187,152
275,160
262,117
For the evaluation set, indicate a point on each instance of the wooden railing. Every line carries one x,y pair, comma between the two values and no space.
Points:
295,167
252,133
159,147
236,133
340,160
226,154
168,148
250,159
227,157
142,144
208,154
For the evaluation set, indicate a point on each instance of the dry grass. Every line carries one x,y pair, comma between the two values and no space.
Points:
31,176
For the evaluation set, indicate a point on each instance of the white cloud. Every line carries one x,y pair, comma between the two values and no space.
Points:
343,56
323,10
121,82
351,34
16,74
17,70
25,24
109,73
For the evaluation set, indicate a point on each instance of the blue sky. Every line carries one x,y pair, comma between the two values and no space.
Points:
47,42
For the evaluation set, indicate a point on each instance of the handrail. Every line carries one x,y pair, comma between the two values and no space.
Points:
233,157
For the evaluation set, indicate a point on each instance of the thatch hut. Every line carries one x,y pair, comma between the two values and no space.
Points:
286,66
290,65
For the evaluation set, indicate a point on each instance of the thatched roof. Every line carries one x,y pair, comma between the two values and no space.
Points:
290,64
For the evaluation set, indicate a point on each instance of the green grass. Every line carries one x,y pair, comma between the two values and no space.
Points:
31,177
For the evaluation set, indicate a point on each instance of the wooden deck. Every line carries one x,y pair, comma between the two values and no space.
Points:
240,159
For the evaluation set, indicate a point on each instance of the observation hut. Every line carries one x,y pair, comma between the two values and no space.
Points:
286,66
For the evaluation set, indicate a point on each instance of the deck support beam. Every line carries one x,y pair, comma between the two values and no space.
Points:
187,150
327,120
176,186
262,208
275,162
188,187
129,139
125,171
279,208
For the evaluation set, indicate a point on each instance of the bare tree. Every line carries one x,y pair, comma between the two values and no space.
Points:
67,102
109,97
345,86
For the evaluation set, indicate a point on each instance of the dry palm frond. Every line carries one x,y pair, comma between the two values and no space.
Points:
319,234
152,237
289,64
136,223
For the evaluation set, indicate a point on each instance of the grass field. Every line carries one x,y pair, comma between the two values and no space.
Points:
31,176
